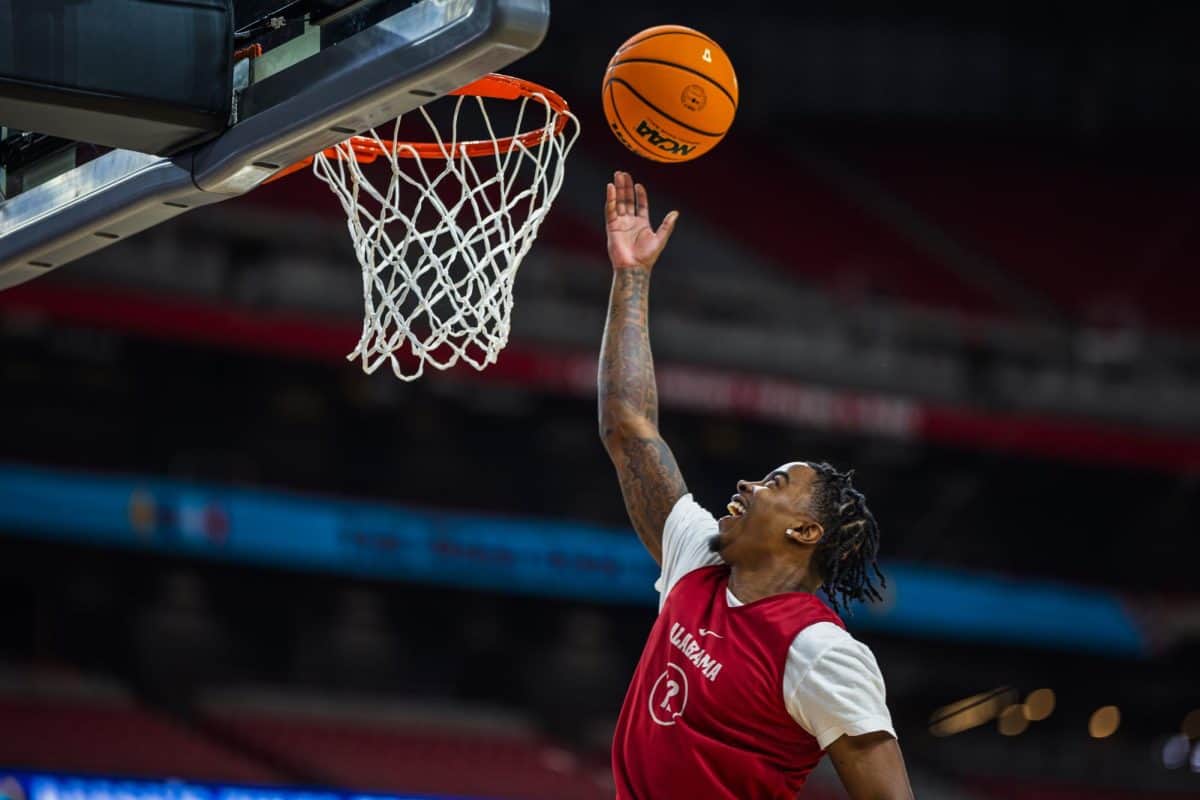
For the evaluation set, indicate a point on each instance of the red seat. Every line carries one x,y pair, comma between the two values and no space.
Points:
377,757
1103,244
73,735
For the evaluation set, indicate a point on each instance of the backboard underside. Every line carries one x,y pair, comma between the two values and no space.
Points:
335,75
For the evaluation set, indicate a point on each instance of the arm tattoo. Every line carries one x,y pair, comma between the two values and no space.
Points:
626,366
650,478
650,483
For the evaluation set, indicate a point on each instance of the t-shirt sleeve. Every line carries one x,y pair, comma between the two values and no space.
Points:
833,686
686,534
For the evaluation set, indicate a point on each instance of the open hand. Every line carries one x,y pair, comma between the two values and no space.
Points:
631,240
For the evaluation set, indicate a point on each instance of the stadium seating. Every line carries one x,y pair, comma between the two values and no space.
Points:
1103,244
817,233
114,737
344,748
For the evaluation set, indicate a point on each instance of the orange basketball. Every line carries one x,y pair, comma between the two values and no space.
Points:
670,94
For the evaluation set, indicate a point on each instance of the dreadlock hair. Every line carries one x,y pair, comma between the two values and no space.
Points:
851,541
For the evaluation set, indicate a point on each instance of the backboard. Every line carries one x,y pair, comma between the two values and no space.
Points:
309,73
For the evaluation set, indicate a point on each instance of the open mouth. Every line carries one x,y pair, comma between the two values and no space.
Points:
736,506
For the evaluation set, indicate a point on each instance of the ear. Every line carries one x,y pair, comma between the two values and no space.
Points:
809,533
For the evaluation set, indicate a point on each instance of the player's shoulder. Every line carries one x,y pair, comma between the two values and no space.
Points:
827,642
685,544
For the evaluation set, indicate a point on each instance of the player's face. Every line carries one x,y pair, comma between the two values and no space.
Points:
763,510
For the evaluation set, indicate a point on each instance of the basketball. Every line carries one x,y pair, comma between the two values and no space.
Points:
670,94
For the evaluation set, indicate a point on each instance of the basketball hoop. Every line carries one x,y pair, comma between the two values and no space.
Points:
441,238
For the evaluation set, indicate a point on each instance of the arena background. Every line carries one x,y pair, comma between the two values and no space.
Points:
951,246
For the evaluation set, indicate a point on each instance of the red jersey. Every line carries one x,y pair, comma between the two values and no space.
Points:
704,716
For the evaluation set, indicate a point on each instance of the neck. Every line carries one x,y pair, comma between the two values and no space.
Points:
754,583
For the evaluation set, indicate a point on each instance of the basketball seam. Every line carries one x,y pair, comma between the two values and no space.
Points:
628,133
695,72
638,95
693,34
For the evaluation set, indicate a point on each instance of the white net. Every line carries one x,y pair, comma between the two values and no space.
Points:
441,234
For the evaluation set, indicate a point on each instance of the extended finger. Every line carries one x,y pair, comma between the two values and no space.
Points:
643,202
610,202
624,193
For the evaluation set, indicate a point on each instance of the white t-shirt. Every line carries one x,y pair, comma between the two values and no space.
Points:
831,683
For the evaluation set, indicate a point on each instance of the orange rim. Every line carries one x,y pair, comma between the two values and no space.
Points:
500,87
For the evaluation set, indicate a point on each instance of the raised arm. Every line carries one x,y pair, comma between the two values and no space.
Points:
650,478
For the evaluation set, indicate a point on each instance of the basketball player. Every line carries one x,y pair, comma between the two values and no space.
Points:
747,678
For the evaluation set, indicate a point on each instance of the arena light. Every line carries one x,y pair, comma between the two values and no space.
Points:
971,712
1175,751
1012,721
1039,704
1104,722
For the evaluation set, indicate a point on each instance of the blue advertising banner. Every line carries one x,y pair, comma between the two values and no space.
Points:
509,554
16,785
